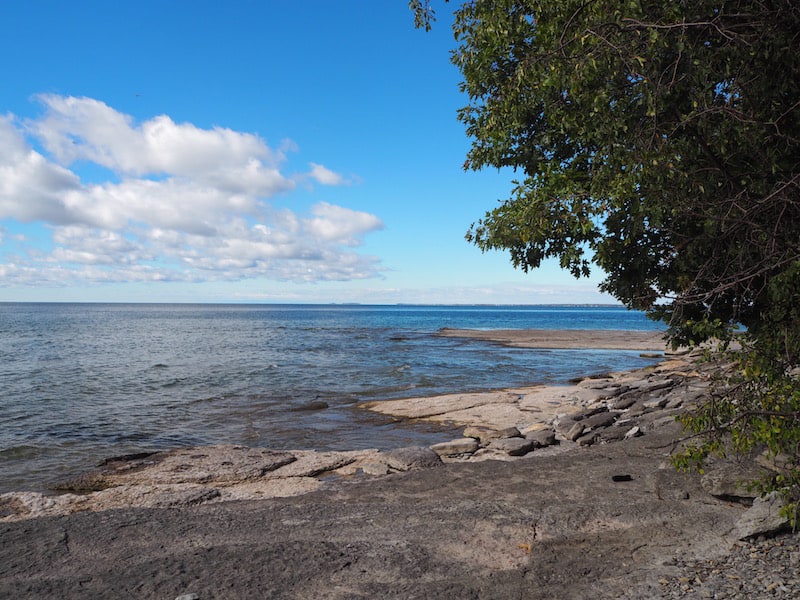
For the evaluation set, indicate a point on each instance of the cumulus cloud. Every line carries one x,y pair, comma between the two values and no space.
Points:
325,176
182,202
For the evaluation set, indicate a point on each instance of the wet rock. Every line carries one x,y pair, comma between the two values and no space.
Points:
456,447
412,457
310,406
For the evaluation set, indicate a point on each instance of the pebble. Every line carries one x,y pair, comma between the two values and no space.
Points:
764,568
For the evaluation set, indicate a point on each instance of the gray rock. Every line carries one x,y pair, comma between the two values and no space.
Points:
484,435
188,597
603,419
516,446
564,425
542,438
587,439
510,432
633,432
575,432
625,402
730,480
412,457
456,447
654,403
611,434
763,518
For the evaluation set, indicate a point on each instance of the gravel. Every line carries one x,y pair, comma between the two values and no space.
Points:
763,568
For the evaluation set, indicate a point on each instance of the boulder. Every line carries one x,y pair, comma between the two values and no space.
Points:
763,518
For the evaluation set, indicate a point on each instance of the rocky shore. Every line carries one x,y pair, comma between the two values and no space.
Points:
552,491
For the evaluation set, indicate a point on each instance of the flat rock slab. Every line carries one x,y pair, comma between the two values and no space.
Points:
429,407
552,527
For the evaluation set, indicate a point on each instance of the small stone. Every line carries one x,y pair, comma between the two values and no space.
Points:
633,432
188,597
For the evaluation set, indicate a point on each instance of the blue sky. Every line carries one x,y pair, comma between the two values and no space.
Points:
243,151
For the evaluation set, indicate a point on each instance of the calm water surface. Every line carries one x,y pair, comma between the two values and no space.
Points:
82,382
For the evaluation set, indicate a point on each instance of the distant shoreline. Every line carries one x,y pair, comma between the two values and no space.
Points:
589,339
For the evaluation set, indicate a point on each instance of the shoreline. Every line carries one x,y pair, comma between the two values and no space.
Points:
500,424
585,505
565,339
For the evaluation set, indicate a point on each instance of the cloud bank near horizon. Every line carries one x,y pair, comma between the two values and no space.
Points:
175,202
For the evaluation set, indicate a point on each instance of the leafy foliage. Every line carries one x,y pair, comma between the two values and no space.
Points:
659,141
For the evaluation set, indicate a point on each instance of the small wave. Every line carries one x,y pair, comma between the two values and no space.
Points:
160,366
20,452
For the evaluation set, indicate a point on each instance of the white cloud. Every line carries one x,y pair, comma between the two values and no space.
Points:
183,203
338,224
325,176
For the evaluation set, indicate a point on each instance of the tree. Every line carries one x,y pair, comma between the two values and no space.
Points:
659,141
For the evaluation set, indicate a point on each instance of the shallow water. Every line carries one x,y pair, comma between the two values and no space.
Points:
81,382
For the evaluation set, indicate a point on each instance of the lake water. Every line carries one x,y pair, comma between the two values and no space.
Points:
83,382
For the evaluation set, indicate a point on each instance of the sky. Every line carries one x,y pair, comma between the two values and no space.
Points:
251,151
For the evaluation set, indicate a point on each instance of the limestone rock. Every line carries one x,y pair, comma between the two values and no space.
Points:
456,447
603,419
484,435
412,457
509,432
542,438
516,446
633,432
625,402
763,518
575,432
730,480
220,464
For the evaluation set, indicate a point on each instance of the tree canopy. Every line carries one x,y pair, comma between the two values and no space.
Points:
659,141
